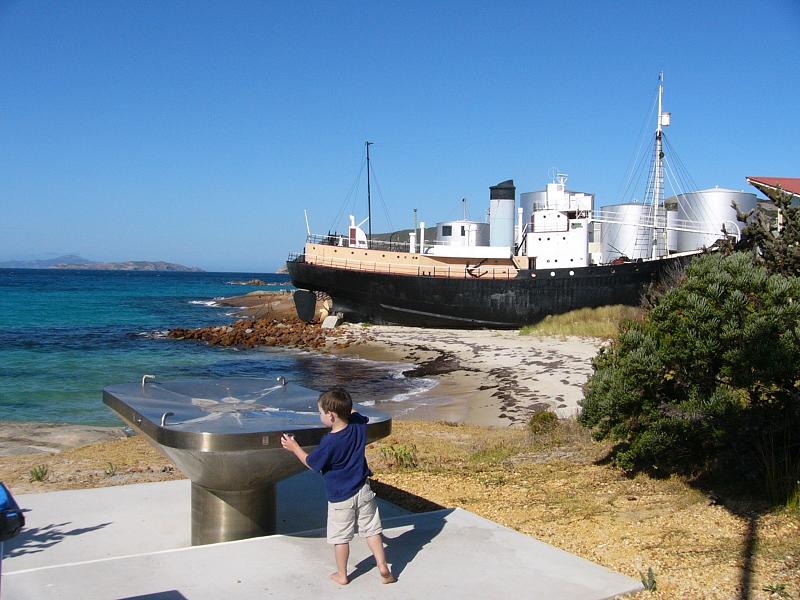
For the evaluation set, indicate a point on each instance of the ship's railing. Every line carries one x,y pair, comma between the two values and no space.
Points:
342,241
443,271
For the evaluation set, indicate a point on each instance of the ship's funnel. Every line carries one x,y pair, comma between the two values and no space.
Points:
501,213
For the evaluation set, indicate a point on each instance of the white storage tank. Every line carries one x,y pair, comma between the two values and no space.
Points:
671,206
555,196
530,201
633,235
462,233
710,209
502,213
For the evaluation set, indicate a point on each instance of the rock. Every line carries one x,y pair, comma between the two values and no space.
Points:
331,321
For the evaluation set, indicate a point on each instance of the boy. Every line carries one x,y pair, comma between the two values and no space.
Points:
341,460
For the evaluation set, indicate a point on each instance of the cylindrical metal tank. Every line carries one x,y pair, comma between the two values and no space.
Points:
632,237
671,206
501,213
530,201
710,209
462,233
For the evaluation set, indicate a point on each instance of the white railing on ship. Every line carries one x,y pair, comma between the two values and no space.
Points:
344,242
446,272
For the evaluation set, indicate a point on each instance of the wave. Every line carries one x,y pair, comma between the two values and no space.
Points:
204,302
420,386
153,335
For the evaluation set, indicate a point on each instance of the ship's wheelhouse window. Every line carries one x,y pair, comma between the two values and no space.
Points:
447,230
463,231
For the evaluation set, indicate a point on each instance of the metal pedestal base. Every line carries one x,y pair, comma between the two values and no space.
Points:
223,516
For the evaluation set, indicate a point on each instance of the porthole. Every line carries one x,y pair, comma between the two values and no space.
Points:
552,273
571,273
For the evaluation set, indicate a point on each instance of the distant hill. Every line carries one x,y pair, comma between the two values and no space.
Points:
72,261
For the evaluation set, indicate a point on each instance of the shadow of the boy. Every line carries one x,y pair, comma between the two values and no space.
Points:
403,548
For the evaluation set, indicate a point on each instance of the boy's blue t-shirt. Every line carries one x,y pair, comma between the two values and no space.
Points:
341,460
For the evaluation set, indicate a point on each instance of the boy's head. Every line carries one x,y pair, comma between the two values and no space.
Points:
336,400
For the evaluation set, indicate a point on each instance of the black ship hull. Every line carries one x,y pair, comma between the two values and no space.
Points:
471,303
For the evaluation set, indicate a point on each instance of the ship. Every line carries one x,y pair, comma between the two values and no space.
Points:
551,254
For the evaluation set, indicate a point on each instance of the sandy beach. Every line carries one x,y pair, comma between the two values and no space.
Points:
484,377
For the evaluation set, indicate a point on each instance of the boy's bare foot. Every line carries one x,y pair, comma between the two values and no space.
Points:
339,578
388,577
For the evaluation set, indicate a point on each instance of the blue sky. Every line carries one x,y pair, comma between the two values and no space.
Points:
197,132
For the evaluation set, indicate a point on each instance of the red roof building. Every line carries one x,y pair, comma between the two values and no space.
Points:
770,185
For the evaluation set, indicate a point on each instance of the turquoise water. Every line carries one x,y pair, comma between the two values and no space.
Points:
64,335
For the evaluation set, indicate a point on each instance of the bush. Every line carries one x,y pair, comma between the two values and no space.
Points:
399,455
39,473
710,378
542,422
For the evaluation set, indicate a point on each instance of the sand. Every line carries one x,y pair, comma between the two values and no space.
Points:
495,377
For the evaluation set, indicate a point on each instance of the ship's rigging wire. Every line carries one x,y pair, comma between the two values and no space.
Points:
350,201
685,183
380,196
638,155
350,198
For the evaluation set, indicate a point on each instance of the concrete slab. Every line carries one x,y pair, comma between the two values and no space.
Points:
444,554
81,525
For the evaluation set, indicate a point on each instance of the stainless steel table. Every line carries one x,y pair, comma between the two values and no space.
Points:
224,434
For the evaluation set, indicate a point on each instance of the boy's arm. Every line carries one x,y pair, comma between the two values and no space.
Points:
292,446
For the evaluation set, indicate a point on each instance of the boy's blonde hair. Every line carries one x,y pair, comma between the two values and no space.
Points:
336,400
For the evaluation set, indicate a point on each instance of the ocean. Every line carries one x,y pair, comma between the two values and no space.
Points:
66,334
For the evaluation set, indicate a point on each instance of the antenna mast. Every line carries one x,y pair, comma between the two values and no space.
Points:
369,198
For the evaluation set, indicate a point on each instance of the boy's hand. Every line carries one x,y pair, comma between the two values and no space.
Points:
288,442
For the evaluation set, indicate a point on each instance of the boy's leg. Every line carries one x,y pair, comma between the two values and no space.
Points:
375,543
342,552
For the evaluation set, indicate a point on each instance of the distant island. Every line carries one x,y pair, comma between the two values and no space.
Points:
72,261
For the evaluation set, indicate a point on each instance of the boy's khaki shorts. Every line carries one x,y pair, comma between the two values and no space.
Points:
361,508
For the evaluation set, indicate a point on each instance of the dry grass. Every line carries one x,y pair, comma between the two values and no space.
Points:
602,322
552,488
548,486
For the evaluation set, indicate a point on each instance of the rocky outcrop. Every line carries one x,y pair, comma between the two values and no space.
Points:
249,333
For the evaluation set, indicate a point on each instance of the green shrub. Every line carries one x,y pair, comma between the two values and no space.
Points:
648,580
542,422
399,455
39,473
709,379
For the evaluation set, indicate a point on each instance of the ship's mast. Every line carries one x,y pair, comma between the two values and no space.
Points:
658,171
369,199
